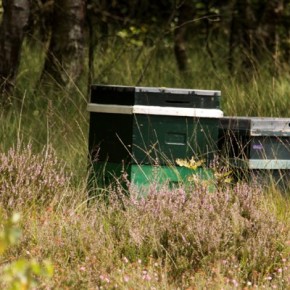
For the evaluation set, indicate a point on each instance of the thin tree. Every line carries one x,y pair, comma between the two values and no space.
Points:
185,15
14,21
64,61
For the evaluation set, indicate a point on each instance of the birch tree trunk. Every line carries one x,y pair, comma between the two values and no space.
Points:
14,20
64,61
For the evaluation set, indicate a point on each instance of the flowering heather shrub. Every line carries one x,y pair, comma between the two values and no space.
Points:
26,177
172,239
193,229
129,275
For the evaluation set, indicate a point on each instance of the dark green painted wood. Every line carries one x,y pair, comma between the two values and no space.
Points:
270,147
236,136
163,139
110,137
149,139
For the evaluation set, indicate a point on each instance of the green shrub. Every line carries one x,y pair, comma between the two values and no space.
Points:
22,273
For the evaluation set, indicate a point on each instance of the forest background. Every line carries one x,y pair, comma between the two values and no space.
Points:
50,53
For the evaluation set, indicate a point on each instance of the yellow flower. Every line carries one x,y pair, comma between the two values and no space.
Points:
191,164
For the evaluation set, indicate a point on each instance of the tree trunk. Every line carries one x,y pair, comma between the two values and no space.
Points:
254,29
242,34
232,39
14,21
247,30
185,16
270,39
64,61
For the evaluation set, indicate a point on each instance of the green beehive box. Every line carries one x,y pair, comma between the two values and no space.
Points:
141,127
257,145
142,176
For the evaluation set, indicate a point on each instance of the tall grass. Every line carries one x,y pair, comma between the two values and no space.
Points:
235,237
